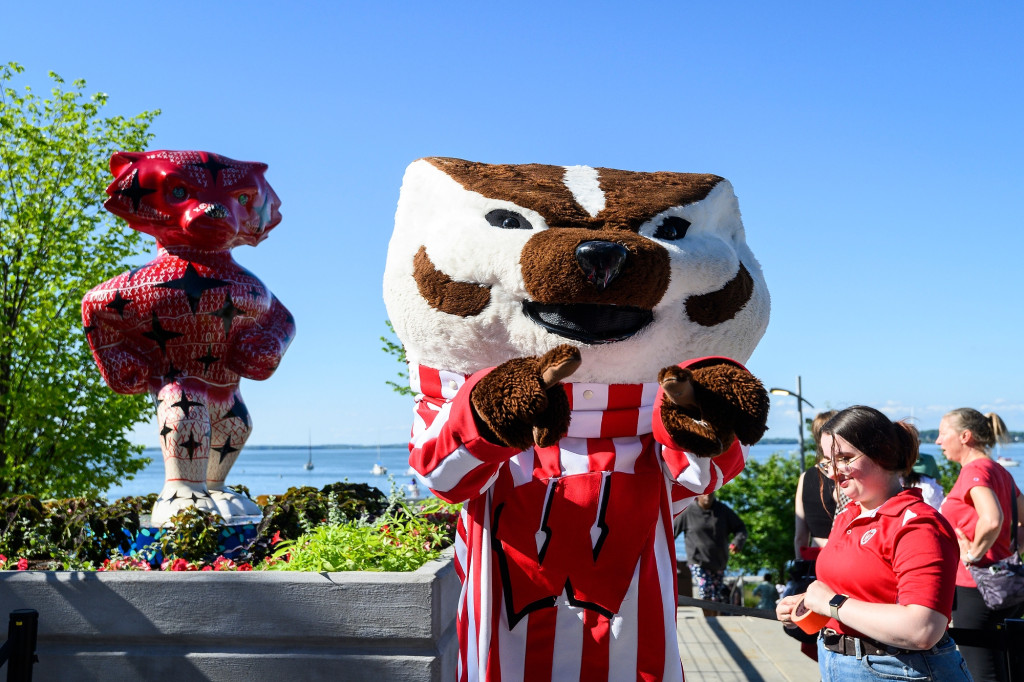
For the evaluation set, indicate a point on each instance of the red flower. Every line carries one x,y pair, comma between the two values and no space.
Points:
244,567
276,539
22,564
3,560
206,568
179,565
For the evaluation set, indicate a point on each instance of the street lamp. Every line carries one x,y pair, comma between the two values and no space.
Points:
800,400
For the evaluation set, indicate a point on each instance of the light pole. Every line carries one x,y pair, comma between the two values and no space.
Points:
800,400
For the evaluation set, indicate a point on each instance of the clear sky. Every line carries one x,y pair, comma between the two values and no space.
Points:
877,149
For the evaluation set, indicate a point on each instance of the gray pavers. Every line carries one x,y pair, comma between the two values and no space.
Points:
739,649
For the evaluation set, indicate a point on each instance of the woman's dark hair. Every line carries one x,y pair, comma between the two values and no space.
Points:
891,445
987,429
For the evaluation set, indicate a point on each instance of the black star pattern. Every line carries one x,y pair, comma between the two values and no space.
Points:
227,313
193,284
239,410
225,450
264,212
173,497
213,165
191,445
119,303
89,329
164,431
135,192
208,359
255,292
161,335
131,273
186,405
172,373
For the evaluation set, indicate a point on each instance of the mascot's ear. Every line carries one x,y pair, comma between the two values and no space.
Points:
121,160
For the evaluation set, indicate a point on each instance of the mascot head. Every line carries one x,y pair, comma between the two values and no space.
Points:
639,270
193,198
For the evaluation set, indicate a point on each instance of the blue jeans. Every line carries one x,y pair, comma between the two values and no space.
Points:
943,665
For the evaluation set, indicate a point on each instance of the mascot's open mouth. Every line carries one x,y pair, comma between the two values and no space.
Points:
589,322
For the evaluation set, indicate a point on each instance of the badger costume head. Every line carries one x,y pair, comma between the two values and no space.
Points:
638,270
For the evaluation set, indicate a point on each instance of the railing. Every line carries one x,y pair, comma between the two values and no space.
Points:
19,651
1008,636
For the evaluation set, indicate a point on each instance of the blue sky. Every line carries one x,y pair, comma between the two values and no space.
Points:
876,148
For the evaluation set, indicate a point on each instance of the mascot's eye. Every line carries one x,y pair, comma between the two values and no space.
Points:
672,228
243,199
509,220
179,192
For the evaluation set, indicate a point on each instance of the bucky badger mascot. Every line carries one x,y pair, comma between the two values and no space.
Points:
575,337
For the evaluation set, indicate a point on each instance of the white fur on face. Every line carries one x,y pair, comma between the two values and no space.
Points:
436,212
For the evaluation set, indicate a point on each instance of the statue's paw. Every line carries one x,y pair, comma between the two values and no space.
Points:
179,495
231,505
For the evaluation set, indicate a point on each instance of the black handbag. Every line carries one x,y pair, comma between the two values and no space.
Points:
1002,583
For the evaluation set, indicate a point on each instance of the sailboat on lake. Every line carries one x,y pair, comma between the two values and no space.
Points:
308,466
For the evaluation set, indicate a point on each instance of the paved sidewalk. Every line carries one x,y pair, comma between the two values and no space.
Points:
739,649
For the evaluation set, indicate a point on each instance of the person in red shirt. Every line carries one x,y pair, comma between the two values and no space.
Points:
979,507
887,575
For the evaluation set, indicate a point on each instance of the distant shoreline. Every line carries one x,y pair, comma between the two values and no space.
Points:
347,446
338,446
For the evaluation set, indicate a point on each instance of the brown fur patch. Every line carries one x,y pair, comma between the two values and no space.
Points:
730,403
464,299
631,198
552,274
719,306
511,401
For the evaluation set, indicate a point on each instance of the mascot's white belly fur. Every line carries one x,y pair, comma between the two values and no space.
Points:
565,548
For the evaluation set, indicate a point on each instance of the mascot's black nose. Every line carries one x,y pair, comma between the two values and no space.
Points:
601,261
218,211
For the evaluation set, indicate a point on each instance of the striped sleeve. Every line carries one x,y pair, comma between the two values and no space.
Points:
447,450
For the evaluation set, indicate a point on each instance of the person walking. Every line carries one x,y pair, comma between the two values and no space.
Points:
886,577
707,527
980,509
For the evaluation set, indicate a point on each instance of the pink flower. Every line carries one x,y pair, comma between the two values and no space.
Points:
3,560
22,564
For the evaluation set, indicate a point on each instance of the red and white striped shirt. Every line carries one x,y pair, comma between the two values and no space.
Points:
566,553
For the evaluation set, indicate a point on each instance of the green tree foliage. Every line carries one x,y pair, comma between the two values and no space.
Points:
763,496
62,432
398,350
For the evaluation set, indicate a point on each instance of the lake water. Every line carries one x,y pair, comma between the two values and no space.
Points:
273,471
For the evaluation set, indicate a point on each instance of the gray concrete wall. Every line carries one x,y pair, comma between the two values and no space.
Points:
266,625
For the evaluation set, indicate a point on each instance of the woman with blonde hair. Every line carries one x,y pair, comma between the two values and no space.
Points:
980,508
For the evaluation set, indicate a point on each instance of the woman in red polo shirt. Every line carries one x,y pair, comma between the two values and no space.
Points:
979,507
886,578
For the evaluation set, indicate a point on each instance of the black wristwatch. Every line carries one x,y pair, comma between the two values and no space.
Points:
835,603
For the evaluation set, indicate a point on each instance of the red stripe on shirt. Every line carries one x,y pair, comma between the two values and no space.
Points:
596,639
621,422
540,645
650,662
601,453
624,396
430,382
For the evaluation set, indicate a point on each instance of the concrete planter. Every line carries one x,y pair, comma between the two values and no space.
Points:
241,626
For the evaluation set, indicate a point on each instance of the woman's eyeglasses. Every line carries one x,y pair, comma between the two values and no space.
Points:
841,464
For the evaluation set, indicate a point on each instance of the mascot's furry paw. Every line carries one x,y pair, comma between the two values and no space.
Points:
521,403
704,409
